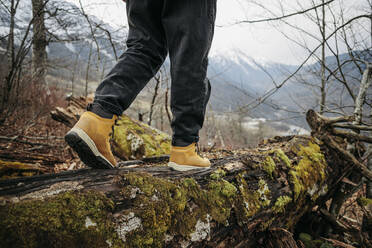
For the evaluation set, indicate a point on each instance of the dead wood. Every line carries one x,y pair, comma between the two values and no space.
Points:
249,199
238,202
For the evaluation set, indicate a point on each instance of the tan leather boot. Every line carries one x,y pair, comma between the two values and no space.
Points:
90,139
186,158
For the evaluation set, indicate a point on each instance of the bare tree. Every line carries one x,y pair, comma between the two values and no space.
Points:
324,42
16,55
39,43
166,103
73,74
87,70
11,58
157,78
92,32
323,79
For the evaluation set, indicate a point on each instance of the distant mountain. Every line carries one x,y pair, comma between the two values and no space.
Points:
239,68
240,79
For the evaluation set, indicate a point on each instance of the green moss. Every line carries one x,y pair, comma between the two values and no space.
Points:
174,207
281,203
317,242
264,193
14,169
309,174
326,245
60,221
298,187
275,156
363,201
305,237
14,165
280,155
250,201
219,198
309,242
266,225
223,188
217,174
269,166
134,139
306,240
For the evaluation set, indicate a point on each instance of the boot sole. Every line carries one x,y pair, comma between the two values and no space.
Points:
180,167
87,151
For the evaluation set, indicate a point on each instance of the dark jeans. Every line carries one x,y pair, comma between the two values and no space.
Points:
182,28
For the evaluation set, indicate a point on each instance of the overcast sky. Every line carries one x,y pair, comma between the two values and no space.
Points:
263,41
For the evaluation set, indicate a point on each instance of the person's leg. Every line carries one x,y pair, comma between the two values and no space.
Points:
145,54
189,27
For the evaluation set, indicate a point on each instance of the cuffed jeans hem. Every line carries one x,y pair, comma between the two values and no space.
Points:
184,141
108,107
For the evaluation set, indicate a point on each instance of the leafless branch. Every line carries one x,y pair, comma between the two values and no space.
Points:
284,16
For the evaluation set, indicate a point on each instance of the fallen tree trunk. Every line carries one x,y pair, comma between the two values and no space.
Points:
130,140
246,200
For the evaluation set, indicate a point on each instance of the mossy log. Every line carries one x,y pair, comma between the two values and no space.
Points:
11,169
249,199
131,139
136,140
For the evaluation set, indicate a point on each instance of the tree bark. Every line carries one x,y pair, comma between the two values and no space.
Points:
152,106
322,70
39,42
87,70
7,83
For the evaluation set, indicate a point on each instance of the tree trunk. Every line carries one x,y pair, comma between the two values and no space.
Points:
7,83
323,78
152,106
39,43
249,199
87,71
